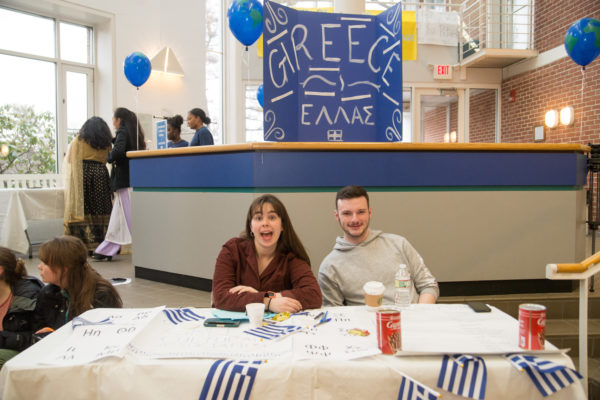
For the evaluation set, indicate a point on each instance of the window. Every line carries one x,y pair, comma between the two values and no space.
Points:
214,67
75,43
254,114
46,75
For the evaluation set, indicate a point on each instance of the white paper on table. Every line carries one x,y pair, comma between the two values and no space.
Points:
106,332
163,339
332,340
456,328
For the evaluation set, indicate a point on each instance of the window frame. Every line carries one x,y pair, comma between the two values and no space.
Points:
61,68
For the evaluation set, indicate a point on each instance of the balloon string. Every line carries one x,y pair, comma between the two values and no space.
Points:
581,119
246,58
137,124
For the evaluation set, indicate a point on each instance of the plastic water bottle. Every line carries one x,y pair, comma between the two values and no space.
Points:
402,287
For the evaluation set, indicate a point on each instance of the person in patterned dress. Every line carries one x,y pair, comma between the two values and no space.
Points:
88,201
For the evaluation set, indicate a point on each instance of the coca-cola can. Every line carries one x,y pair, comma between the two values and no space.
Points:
532,326
389,334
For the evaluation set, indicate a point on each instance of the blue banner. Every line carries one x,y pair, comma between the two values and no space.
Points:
332,77
161,134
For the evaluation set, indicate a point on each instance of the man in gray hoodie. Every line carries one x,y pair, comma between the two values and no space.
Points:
363,255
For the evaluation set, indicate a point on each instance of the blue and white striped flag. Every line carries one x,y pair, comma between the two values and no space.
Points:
228,379
180,315
413,390
80,321
548,377
463,375
273,331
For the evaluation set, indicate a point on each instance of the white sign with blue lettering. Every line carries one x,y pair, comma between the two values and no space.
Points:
332,77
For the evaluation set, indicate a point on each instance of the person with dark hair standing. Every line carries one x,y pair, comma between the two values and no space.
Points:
73,287
198,120
18,297
267,264
129,136
174,132
88,201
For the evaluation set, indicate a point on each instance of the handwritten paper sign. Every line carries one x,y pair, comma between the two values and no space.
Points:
191,339
332,77
333,341
101,333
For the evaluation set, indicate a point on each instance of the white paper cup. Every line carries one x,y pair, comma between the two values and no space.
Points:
256,312
373,294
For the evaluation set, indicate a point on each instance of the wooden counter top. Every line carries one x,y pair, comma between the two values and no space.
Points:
360,146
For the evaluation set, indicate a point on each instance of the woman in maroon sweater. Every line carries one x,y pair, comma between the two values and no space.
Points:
267,263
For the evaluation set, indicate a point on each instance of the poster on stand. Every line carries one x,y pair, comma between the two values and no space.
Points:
332,77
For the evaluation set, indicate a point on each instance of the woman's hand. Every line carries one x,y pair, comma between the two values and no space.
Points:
242,289
284,304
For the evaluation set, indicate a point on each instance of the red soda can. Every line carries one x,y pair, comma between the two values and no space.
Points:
389,335
532,326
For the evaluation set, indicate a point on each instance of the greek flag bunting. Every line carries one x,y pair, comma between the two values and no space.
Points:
463,375
274,331
413,390
229,379
548,377
180,315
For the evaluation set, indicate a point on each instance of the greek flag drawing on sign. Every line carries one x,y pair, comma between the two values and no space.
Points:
80,321
548,377
463,375
180,315
274,331
229,380
413,390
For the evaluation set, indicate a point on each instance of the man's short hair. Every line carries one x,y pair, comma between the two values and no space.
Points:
351,192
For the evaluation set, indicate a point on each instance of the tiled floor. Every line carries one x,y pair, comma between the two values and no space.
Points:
140,293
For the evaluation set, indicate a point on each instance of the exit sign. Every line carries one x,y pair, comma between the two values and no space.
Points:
442,72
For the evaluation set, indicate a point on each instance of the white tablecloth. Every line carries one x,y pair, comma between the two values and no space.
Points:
19,205
373,377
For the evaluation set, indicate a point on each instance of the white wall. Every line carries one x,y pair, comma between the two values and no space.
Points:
148,26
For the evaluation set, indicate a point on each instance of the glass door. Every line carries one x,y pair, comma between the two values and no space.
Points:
77,98
439,115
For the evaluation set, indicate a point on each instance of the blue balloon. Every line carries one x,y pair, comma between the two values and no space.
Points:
137,68
259,95
582,41
245,20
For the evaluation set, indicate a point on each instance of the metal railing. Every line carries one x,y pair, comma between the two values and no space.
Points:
30,181
581,272
497,24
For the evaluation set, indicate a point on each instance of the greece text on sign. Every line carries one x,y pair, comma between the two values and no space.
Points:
332,77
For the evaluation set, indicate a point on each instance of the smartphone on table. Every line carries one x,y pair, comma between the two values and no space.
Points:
478,306
222,322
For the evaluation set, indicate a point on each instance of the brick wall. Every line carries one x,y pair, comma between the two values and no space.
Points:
482,118
555,85
554,17
434,125
552,87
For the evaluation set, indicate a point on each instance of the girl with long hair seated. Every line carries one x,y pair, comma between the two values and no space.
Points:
267,264
18,296
73,286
